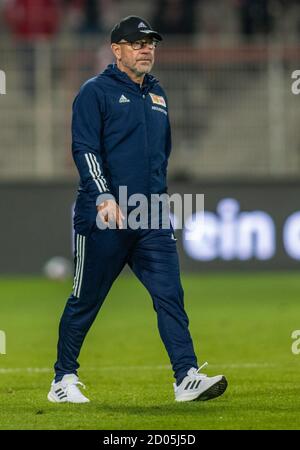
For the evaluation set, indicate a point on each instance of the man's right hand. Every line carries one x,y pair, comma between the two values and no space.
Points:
110,213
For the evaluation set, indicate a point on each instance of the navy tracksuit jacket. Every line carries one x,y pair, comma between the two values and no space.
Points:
121,137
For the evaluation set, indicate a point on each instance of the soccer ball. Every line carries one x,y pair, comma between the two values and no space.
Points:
58,268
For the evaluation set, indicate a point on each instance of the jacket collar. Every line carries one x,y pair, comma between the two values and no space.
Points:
114,72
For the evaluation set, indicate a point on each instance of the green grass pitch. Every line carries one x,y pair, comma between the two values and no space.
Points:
240,323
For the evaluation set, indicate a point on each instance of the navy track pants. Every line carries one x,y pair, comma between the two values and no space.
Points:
99,258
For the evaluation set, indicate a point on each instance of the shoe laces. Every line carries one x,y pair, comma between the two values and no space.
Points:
196,372
73,386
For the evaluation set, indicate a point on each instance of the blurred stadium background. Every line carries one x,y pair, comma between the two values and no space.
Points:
227,68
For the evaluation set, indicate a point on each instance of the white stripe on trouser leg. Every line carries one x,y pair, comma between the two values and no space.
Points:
82,265
79,264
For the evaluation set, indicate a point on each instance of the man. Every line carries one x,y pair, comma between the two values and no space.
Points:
121,137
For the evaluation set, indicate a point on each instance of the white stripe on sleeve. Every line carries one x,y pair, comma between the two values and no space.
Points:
93,173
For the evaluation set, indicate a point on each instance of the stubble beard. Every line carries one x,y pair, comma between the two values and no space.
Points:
137,72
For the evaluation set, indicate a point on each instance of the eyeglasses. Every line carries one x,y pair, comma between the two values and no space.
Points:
137,45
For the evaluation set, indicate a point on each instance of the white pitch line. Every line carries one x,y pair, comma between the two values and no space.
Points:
24,369
126,368
244,365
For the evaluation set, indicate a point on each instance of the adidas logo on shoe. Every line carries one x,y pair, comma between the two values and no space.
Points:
123,99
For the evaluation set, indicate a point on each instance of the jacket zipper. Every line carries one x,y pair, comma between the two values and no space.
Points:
144,96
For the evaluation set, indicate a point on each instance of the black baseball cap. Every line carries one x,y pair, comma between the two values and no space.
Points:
133,28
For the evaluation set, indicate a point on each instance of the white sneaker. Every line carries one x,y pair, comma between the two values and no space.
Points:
66,390
198,386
